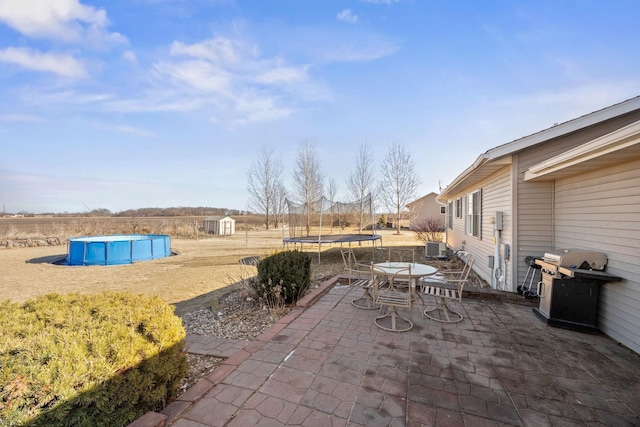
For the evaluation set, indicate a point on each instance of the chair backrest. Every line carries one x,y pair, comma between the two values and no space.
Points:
401,279
348,259
402,255
351,263
464,274
400,275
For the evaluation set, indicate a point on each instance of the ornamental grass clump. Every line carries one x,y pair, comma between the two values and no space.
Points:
283,277
88,360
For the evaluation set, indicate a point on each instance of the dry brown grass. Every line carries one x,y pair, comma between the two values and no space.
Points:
42,227
200,268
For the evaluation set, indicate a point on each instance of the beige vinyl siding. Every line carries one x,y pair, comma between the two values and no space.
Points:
600,211
426,208
456,235
496,196
535,214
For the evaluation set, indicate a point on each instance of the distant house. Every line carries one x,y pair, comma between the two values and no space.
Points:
574,185
425,208
219,225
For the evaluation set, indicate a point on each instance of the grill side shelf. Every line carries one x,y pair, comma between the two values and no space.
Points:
589,274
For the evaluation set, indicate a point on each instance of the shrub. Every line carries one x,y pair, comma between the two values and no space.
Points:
88,360
429,230
283,276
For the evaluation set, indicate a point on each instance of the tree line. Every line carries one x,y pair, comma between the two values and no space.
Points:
393,187
152,212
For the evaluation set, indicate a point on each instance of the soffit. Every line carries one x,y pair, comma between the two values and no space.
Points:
613,148
482,169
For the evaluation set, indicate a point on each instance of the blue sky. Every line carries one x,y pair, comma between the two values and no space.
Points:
159,103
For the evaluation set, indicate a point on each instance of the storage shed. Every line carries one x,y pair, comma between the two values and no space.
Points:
219,225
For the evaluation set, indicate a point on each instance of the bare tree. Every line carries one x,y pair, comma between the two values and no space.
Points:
280,201
264,178
307,178
399,182
361,180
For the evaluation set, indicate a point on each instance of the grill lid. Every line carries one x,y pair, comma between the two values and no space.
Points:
577,258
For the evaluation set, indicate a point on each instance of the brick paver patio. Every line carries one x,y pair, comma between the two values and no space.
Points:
329,365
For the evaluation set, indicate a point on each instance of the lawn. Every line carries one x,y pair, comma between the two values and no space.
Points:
201,268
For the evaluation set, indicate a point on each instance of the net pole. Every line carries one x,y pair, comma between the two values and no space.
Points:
320,231
373,227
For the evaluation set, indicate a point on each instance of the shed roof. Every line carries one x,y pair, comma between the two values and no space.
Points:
218,218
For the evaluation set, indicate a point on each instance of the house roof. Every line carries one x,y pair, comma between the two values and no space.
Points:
615,147
421,199
496,158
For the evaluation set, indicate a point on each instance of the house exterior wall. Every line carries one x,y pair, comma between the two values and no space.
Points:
600,211
495,196
596,209
424,208
534,201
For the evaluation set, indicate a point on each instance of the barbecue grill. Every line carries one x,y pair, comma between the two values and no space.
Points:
569,288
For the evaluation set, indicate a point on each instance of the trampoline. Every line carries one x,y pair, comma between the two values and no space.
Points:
117,249
333,238
305,222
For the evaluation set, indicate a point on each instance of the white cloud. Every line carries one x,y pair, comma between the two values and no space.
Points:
283,75
16,117
130,56
35,96
234,80
347,16
65,20
197,74
60,64
219,50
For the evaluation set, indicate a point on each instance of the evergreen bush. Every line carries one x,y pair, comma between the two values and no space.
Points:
88,360
284,276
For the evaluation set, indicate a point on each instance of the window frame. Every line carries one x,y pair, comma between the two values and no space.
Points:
459,207
473,217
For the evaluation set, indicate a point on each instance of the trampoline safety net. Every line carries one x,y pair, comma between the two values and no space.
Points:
324,216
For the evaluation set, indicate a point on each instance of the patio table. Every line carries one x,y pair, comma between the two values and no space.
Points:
417,270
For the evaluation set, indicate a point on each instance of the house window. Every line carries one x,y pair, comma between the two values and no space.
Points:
474,211
443,210
450,216
458,208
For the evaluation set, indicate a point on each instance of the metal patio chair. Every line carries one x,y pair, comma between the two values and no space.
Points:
393,297
443,289
360,275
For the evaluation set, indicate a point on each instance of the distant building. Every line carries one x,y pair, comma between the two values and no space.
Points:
424,208
219,225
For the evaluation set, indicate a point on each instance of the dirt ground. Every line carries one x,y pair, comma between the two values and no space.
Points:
202,269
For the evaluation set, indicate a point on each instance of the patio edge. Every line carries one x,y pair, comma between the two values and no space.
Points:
175,409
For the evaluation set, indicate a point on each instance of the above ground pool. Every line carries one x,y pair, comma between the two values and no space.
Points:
117,249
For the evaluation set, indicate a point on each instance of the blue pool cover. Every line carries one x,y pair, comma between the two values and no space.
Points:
117,249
